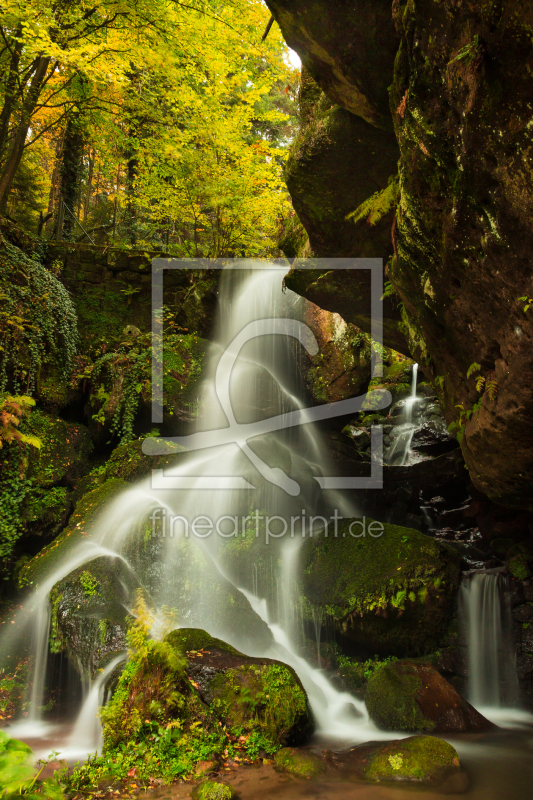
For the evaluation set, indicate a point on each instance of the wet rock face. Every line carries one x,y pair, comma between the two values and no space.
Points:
409,696
460,101
461,108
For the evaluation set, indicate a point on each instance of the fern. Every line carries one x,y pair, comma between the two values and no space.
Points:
480,383
375,207
389,290
12,409
472,369
492,389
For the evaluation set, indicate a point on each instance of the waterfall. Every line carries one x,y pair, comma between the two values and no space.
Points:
400,446
222,481
485,610
409,403
39,645
86,736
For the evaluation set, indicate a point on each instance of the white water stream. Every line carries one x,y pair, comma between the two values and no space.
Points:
492,681
153,533
398,451
150,529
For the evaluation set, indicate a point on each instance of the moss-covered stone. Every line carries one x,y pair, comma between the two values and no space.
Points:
129,463
410,696
64,453
520,566
81,526
334,142
419,759
213,790
89,614
392,589
300,763
258,699
171,701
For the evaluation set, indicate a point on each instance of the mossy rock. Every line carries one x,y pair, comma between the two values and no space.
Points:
182,692
300,763
500,546
410,696
520,567
393,592
252,697
64,452
193,640
89,614
81,526
213,790
419,759
129,463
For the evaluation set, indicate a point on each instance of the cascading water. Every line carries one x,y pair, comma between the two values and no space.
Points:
484,608
86,736
398,451
159,534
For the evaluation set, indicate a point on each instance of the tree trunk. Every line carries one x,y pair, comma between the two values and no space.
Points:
10,91
70,170
92,156
18,141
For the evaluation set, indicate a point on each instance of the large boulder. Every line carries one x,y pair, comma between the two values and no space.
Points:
390,589
191,697
89,614
248,695
348,47
411,696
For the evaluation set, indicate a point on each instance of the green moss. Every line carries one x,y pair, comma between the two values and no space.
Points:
419,759
265,699
129,463
213,790
394,591
299,763
390,699
64,452
356,674
81,525
519,567
194,639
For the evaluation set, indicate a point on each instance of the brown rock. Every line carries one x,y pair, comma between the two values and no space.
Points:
411,696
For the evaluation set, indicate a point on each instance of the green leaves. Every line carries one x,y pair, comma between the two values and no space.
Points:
472,369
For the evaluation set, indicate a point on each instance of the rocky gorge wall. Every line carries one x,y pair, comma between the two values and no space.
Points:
446,84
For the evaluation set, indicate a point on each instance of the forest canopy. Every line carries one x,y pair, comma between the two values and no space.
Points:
147,124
